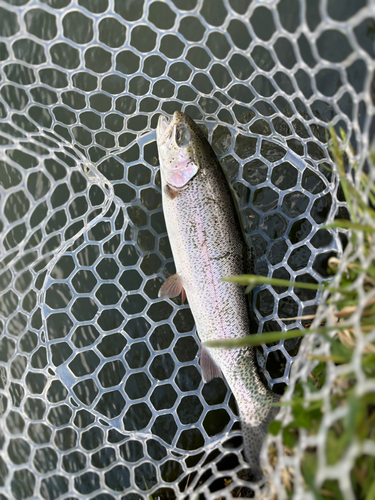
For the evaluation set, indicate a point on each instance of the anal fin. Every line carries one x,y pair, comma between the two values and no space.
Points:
210,369
172,287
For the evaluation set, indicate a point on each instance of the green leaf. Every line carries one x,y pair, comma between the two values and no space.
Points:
368,362
347,224
268,337
340,352
253,280
308,468
319,373
371,492
308,417
301,417
274,427
290,436
331,490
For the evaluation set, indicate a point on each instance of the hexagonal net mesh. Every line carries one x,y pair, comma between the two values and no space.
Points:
101,391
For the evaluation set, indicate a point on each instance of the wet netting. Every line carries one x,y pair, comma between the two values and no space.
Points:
101,393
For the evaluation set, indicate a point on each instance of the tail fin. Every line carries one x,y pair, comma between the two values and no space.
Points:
254,402
253,437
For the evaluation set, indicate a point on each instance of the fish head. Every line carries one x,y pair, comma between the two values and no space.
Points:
177,141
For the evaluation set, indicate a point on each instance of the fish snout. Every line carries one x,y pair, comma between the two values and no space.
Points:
178,116
162,129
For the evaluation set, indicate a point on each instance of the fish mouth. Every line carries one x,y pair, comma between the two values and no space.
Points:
166,125
163,129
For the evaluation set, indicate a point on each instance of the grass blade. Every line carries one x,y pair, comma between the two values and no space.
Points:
268,337
347,224
251,280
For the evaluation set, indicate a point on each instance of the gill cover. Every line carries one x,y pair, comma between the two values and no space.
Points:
175,153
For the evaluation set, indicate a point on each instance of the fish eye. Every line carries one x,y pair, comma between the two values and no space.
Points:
182,137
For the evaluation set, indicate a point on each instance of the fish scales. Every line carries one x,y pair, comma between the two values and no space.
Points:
207,245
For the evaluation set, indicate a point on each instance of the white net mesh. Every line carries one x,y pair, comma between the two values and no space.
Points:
101,394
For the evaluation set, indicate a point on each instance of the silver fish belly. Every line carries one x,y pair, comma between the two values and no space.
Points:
207,245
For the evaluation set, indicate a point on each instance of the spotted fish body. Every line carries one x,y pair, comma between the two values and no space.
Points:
207,245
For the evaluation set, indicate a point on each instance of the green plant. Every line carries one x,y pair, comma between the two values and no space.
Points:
342,382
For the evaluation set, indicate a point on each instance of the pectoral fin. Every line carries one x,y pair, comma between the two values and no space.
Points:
210,369
172,288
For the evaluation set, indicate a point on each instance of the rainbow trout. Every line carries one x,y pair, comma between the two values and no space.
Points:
207,245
